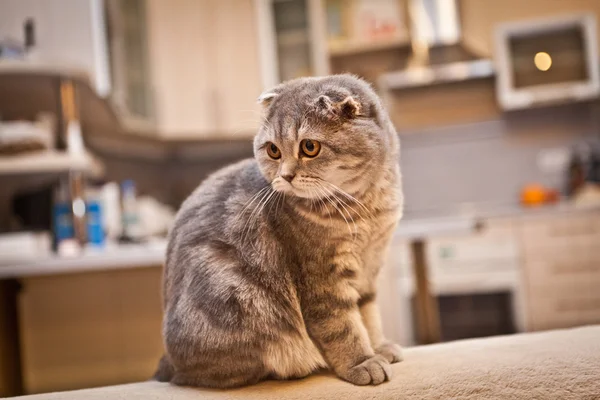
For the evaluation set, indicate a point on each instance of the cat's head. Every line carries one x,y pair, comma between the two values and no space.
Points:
322,133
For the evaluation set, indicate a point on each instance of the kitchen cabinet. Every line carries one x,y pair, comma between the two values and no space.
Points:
470,271
562,270
293,39
89,329
237,79
68,34
549,262
319,37
180,42
207,61
199,74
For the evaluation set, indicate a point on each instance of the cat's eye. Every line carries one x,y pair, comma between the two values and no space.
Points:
273,151
310,148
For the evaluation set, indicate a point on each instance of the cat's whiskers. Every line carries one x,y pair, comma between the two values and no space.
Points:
323,189
349,196
319,199
249,222
342,204
324,206
264,203
347,206
282,197
253,199
256,214
275,202
321,202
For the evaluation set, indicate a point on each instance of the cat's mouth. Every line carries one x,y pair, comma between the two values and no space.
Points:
303,187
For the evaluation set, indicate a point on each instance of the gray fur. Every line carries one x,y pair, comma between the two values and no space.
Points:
270,279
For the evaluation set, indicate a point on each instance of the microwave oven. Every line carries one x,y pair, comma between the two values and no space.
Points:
548,61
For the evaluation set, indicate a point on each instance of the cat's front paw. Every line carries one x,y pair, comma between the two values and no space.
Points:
372,371
391,352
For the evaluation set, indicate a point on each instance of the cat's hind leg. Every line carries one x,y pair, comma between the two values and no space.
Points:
229,373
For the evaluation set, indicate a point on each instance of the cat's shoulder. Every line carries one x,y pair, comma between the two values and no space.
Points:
247,168
240,176
241,173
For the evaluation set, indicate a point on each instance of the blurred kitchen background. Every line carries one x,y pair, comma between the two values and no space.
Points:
113,111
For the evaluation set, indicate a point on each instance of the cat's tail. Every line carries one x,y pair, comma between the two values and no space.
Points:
165,370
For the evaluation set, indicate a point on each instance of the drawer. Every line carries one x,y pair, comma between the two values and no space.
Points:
490,265
567,287
539,249
558,301
552,310
561,231
473,248
491,251
582,268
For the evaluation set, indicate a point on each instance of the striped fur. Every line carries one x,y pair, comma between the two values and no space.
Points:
270,279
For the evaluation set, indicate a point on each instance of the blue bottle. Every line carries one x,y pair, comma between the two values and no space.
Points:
62,216
95,218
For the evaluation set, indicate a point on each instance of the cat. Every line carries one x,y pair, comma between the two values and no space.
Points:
272,262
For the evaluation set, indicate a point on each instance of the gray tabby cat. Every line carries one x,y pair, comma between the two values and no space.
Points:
272,262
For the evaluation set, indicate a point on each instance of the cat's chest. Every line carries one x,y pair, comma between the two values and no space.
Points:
351,257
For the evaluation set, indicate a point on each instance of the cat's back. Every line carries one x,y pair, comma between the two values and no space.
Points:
206,214
224,186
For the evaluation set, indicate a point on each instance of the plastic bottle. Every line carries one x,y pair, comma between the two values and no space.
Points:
129,211
95,219
63,232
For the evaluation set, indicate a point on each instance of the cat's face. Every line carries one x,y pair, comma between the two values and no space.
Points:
320,136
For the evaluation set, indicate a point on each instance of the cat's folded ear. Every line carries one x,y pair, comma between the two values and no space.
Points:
347,108
266,98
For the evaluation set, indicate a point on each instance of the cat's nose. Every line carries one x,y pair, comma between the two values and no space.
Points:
288,177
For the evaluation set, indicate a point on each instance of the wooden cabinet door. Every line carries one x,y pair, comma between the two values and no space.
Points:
562,270
90,329
205,68
180,40
237,69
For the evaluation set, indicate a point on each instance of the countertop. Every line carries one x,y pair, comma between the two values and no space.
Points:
112,257
152,253
468,218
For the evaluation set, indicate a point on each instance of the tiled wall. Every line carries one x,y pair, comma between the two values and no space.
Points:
486,164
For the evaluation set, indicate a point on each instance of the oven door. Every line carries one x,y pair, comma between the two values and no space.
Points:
476,279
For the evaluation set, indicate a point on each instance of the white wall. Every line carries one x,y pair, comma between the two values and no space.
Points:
68,33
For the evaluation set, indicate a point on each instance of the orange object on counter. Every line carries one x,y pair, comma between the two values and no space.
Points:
533,195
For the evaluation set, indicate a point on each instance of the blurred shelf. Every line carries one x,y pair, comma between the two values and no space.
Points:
39,68
348,47
42,162
290,38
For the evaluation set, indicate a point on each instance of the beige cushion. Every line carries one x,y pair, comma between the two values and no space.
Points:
561,364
